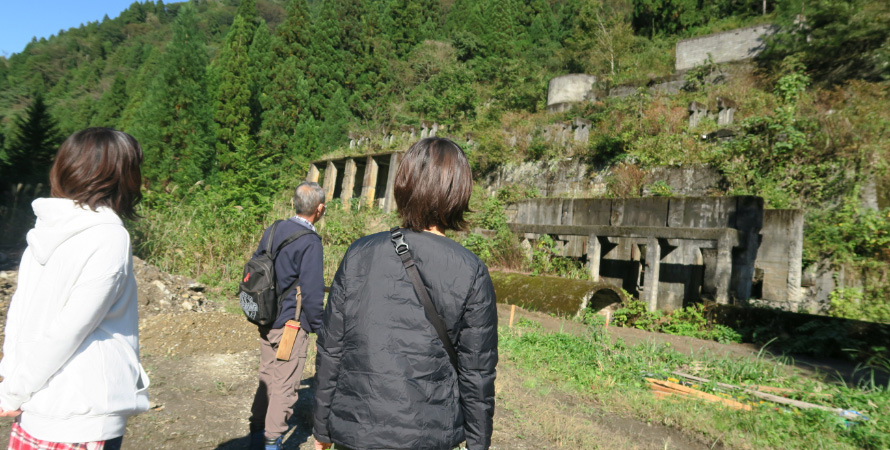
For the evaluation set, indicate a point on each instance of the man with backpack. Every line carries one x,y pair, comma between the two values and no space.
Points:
294,260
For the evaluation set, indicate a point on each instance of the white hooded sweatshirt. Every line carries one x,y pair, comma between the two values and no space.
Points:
71,354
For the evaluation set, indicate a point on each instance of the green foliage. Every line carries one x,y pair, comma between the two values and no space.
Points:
601,38
838,40
660,188
689,321
611,373
786,137
448,96
410,22
111,105
501,248
848,234
854,303
232,72
546,260
184,77
174,123
665,17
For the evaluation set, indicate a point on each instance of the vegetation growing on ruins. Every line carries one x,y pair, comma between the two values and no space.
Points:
231,99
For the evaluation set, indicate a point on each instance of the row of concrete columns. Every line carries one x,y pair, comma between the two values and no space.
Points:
368,193
652,268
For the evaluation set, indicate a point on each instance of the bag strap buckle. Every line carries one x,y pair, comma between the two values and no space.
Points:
398,241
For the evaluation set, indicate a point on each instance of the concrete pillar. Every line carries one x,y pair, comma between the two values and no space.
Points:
594,250
330,180
389,201
723,270
348,182
697,112
313,174
369,182
725,117
795,260
653,267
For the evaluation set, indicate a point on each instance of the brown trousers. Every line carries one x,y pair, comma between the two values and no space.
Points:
276,395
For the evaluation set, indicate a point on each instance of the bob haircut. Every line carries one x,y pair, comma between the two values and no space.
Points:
99,167
433,185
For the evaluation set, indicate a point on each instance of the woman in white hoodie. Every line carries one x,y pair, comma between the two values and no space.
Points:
70,368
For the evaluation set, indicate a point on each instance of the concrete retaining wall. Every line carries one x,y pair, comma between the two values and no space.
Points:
578,179
733,45
568,89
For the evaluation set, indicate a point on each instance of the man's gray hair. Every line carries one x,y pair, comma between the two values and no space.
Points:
307,196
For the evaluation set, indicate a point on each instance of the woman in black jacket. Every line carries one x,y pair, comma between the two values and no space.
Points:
385,378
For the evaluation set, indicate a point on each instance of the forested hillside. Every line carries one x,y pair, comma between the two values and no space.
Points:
230,99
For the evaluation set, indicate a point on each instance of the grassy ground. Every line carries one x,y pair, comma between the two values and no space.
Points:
590,365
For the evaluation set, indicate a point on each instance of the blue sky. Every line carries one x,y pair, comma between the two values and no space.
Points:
20,20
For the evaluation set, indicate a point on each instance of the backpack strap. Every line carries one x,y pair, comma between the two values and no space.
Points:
404,252
280,247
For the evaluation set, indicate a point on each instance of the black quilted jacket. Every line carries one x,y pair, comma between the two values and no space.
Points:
384,377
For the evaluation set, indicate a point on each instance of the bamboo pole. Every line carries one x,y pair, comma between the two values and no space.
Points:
668,387
774,398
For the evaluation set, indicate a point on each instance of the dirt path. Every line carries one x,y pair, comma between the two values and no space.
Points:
202,363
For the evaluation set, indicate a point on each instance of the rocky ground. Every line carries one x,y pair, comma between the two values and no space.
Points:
202,363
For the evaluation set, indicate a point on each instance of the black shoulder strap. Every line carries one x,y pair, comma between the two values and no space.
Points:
398,241
281,246
271,236
290,239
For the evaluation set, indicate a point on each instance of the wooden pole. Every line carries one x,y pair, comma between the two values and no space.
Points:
512,312
772,398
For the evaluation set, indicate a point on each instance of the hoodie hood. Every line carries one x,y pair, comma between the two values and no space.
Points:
58,219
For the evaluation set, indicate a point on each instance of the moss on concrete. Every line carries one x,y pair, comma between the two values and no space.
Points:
553,295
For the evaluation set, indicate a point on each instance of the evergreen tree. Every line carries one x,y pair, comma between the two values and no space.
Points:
286,107
410,22
247,10
464,24
138,90
334,129
3,165
175,121
502,30
112,103
364,55
293,37
262,67
232,72
325,69
33,144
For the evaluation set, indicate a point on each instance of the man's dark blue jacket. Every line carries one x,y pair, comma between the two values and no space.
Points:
302,258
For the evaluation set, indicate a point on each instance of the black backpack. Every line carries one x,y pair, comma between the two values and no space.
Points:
258,290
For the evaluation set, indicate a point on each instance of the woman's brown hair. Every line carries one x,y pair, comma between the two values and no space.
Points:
433,185
99,167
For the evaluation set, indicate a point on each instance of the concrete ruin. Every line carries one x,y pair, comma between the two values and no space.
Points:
733,45
723,248
579,179
568,89
339,178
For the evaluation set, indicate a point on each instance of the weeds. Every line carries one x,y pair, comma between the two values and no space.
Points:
592,365
689,321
